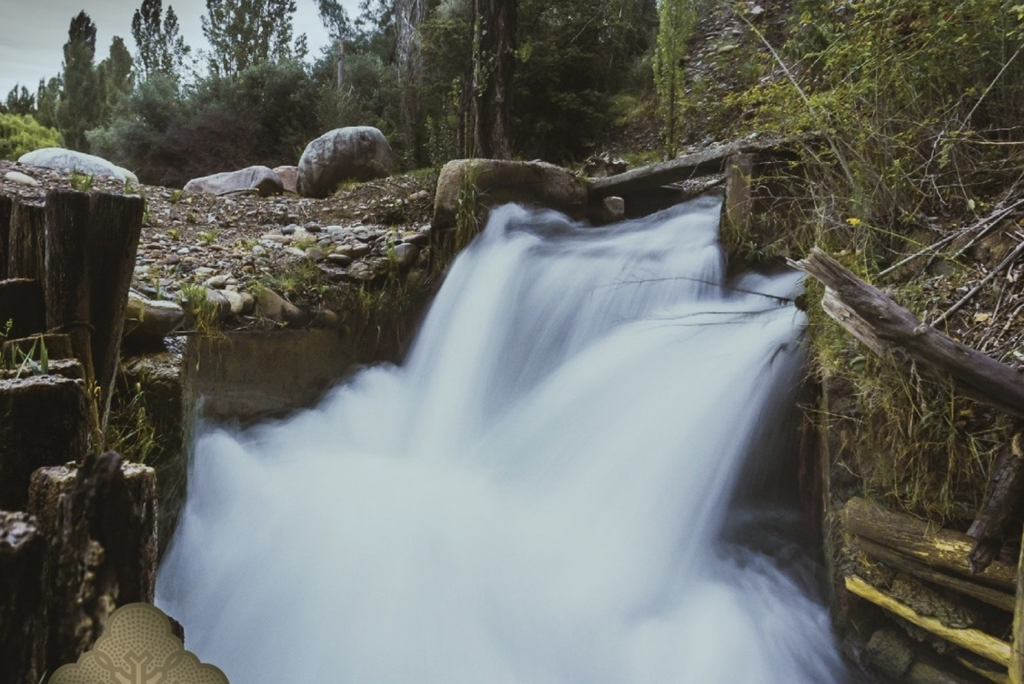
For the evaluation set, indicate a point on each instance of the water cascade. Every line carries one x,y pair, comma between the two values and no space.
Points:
540,494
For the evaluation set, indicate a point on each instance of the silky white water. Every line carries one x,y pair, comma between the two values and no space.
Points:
536,496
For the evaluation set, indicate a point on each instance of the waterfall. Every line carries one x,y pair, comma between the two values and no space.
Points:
542,493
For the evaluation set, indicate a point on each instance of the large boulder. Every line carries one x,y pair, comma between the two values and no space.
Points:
498,181
59,158
259,178
353,153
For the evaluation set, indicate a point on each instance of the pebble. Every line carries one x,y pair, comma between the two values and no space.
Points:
19,177
288,230
339,259
295,251
218,282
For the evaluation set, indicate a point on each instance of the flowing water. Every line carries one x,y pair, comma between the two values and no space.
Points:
540,494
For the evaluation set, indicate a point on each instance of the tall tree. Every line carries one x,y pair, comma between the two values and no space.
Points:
676,22
158,42
80,104
335,20
115,76
243,33
490,86
20,101
48,100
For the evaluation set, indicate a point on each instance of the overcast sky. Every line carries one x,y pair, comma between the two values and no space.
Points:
33,32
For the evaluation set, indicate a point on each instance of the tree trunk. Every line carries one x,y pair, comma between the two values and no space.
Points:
885,327
494,61
27,236
930,544
115,224
22,550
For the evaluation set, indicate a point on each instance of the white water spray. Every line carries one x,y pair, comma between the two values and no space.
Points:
535,497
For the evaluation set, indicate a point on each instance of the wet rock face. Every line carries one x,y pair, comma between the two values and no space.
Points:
498,181
352,153
259,178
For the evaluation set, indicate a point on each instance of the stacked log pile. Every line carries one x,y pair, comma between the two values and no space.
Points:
77,524
897,550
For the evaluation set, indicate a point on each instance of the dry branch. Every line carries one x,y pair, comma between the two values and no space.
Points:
973,640
884,326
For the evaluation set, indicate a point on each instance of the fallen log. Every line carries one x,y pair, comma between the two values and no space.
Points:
1006,483
885,327
993,597
973,640
917,539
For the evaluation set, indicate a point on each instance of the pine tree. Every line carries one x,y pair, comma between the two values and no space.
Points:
243,33
80,105
158,43
116,77
20,101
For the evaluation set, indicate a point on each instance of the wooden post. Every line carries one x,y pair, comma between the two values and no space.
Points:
22,550
739,170
6,207
115,224
67,284
44,421
1006,482
100,519
25,243
22,303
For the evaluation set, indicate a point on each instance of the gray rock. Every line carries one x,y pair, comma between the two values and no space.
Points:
148,321
289,176
406,254
421,239
608,210
339,259
218,282
289,230
273,306
60,158
235,301
22,178
325,318
353,251
259,178
498,181
352,153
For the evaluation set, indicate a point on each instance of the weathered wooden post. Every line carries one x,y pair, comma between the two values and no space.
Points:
44,421
6,206
22,303
1016,669
22,550
100,519
739,171
115,225
25,257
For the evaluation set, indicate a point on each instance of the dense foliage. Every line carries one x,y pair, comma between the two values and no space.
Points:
21,133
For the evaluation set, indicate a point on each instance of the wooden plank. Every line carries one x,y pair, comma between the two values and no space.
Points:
6,207
684,168
973,640
930,544
884,326
25,243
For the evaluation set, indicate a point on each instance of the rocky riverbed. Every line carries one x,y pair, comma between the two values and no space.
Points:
264,261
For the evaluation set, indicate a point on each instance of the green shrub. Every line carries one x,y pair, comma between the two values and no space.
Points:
21,133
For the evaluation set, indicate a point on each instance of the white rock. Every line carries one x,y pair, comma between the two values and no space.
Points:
60,158
22,178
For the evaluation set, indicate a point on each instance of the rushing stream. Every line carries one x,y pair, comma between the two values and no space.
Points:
539,495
